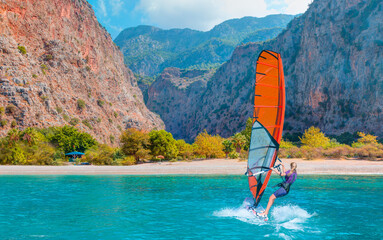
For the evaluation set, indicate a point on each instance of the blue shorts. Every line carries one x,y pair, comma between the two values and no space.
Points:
280,192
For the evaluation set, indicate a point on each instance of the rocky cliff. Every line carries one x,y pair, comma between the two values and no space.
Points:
176,95
59,65
149,50
333,63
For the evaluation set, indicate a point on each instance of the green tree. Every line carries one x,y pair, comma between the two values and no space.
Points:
31,136
134,143
367,138
227,146
234,155
69,139
247,133
185,150
238,141
143,153
208,145
18,156
13,136
11,151
163,143
101,154
42,153
313,137
286,144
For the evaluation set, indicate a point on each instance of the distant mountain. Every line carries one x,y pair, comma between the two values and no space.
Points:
149,50
333,64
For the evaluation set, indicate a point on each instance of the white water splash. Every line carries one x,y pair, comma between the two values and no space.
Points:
285,219
241,214
290,217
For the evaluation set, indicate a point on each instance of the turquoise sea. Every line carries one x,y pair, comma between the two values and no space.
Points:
186,207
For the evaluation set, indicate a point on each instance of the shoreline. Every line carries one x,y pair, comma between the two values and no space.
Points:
201,167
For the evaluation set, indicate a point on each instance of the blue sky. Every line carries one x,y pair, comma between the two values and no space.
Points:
116,15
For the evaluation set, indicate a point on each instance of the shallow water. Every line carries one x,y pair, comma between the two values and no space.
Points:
191,207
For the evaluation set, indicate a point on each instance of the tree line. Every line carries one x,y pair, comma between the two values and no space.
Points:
34,146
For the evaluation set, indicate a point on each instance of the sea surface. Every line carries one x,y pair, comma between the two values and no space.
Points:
186,207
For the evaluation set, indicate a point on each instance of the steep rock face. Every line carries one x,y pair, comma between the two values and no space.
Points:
333,58
176,92
219,103
149,50
58,64
333,63
226,103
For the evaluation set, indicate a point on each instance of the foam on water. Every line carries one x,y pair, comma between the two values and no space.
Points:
241,214
285,219
290,217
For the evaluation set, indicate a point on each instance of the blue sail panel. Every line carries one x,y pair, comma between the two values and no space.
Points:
262,155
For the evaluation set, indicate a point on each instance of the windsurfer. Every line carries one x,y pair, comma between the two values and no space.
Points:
290,177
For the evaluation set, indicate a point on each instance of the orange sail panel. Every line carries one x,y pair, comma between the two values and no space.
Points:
269,112
269,65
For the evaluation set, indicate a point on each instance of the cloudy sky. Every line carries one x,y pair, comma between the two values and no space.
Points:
117,15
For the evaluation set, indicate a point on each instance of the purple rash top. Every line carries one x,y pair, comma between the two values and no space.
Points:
290,179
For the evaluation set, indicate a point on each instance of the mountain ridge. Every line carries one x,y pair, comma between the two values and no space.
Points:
148,50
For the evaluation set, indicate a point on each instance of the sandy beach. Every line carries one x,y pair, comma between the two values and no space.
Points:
212,166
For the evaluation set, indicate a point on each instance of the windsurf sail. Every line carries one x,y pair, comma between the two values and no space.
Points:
269,113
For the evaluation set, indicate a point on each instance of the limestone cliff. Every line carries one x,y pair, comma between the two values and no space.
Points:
59,65
176,95
333,63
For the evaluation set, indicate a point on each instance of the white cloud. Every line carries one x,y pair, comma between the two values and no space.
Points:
199,14
117,6
205,14
101,6
296,6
